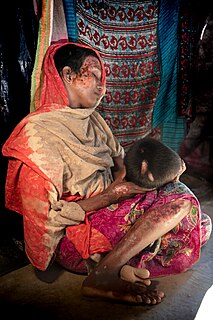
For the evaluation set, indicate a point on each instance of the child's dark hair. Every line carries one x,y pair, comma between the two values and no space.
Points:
163,163
72,56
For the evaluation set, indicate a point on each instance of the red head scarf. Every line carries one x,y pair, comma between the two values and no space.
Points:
52,93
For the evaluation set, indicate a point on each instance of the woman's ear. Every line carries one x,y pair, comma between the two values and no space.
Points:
66,74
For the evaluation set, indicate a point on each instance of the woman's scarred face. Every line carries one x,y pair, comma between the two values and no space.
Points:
85,89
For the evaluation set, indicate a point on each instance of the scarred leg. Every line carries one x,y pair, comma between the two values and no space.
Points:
111,279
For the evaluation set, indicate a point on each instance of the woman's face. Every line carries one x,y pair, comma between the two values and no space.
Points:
85,89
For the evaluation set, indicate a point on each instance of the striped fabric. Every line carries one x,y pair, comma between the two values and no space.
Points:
52,28
70,13
44,40
165,115
173,132
166,103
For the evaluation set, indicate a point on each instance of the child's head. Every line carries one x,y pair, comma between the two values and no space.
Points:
150,163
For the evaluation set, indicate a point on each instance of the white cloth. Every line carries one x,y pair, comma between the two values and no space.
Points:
206,307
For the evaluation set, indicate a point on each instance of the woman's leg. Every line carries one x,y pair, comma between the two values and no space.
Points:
105,281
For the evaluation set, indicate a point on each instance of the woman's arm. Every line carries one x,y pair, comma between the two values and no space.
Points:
117,191
118,168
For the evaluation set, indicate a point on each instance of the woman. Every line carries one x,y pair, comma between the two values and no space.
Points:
62,162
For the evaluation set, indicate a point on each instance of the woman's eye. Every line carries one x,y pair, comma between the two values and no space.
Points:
95,75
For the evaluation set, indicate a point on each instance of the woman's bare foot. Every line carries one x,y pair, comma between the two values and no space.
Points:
107,284
135,275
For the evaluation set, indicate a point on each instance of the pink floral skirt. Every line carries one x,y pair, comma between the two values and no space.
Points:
175,252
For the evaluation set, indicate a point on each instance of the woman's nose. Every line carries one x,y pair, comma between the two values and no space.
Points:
101,87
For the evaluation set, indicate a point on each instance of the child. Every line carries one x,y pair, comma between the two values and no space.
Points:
157,168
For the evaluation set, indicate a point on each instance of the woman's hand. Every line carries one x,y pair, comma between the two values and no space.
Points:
68,213
117,191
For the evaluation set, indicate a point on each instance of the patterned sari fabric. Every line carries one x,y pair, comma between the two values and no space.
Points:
174,252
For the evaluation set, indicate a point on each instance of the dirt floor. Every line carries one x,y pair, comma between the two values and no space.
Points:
56,295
